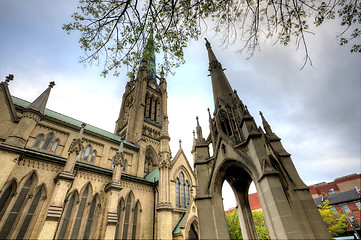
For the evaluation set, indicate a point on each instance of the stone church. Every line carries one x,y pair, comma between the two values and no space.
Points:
61,178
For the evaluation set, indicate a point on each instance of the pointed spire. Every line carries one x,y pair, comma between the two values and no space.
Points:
209,114
149,55
199,131
266,126
39,104
180,143
221,87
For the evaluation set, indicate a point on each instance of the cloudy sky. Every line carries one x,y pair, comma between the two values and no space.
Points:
315,111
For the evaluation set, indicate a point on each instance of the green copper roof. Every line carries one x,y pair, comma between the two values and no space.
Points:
177,227
74,122
153,176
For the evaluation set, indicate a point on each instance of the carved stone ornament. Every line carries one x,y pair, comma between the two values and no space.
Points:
76,145
118,159
214,65
164,164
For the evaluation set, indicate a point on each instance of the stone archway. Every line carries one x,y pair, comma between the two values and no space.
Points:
244,152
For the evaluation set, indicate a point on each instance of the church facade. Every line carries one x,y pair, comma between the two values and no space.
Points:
61,178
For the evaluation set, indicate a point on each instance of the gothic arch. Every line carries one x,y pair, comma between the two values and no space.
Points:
193,222
136,220
6,194
150,160
68,215
17,206
185,172
47,141
128,216
120,218
91,217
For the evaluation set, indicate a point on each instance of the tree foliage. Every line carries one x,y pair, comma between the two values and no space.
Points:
336,222
234,228
115,32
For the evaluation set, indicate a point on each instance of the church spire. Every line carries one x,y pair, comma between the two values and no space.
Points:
39,104
221,87
267,127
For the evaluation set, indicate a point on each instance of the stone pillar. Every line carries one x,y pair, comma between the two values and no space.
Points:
63,182
112,190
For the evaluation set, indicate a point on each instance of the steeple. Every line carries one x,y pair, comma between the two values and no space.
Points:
149,55
39,104
221,87
267,127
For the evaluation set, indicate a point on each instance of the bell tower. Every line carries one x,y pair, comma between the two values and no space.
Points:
143,110
243,153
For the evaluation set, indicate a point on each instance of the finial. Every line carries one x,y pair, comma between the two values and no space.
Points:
180,143
260,113
80,134
9,78
197,121
121,147
209,114
51,84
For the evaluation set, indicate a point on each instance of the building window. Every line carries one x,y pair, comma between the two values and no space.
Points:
331,191
93,156
345,209
38,141
86,153
119,214
177,186
47,141
18,205
182,195
30,214
126,217
55,145
125,165
135,221
187,192
90,220
6,197
79,215
79,154
66,219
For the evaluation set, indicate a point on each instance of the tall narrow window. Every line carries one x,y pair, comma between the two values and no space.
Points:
6,197
9,223
125,165
135,221
38,141
155,110
29,215
55,145
66,219
79,215
86,153
119,212
90,219
47,141
182,196
177,192
187,193
126,217
92,158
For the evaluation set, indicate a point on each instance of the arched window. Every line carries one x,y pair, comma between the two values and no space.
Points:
30,214
47,141
86,153
79,215
135,221
119,214
126,217
91,216
177,192
182,196
93,156
6,197
66,219
125,165
55,145
38,141
187,193
14,212
155,110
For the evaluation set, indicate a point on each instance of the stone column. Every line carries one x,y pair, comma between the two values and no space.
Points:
112,190
63,182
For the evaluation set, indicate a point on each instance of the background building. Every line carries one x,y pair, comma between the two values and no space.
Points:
61,178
